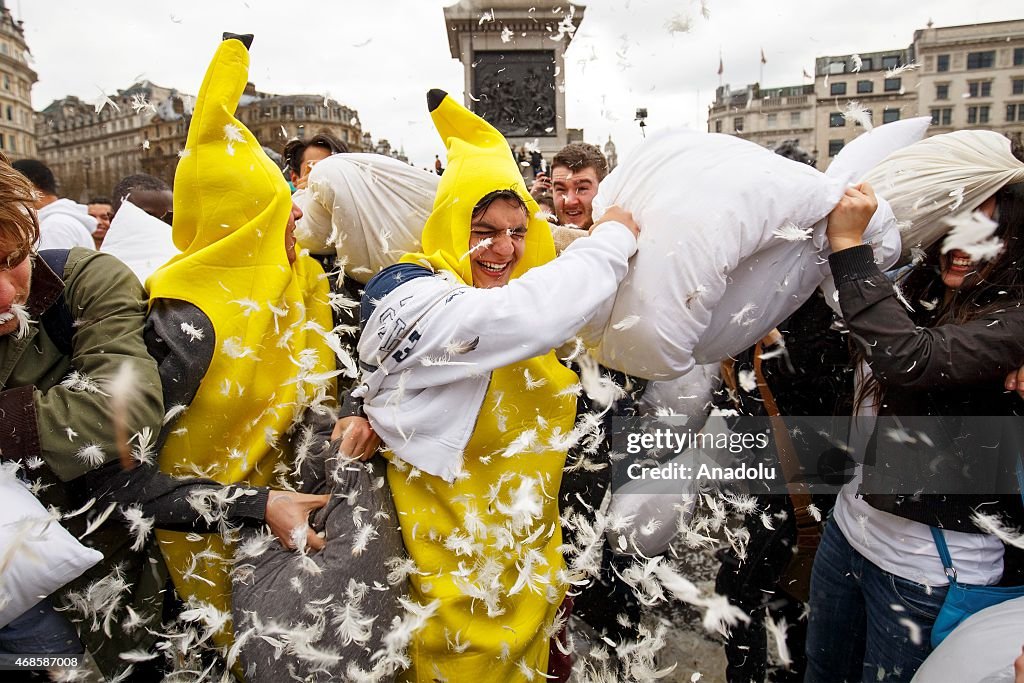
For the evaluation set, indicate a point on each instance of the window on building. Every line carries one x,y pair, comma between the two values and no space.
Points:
1018,56
942,117
9,112
1018,86
866,64
981,60
890,62
942,91
893,84
890,115
942,63
865,87
7,82
794,118
836,68
834,146
980,88
1011,112
836,120
773,120
11,140
718,126
978,114
837,89
737,124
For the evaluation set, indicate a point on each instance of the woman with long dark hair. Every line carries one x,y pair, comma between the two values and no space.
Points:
878,581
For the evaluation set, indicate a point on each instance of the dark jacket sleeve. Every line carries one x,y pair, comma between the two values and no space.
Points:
900,353
174,503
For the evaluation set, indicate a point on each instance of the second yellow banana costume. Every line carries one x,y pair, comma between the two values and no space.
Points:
231,214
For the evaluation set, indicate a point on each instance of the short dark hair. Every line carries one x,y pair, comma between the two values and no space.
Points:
99,200
577,156
38,173
136,181
510,195
295,148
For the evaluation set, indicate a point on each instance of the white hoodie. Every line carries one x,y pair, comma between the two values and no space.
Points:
65,224
423,400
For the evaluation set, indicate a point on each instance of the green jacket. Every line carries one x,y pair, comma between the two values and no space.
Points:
40,417
44,418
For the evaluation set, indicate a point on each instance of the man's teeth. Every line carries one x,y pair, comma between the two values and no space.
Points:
493,267
962,262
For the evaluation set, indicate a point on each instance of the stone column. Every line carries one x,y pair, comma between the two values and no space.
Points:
513,52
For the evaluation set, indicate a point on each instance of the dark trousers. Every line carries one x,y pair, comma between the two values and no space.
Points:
753,585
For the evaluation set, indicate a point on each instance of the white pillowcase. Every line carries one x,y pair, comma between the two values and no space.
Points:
37,554
368,208
712,275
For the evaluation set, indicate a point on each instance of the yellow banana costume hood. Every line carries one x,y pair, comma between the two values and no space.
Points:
496,602
231,212
479,161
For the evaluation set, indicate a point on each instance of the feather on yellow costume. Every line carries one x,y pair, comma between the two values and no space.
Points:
486,546
231,213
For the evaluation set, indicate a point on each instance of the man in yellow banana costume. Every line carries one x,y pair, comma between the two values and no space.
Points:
254,314
461,383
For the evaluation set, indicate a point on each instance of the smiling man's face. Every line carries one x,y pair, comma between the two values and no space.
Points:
501,230
574,193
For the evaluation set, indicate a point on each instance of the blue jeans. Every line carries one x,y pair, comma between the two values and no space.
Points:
41,630
865,624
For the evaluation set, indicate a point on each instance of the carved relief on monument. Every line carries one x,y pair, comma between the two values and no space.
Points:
515,91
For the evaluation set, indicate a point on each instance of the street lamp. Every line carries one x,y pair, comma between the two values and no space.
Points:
641,116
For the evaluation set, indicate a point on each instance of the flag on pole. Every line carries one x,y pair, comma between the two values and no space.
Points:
763,60
807,75
721,67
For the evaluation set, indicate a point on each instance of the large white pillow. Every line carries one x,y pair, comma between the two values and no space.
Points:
711,275
368,208
141,241
37,554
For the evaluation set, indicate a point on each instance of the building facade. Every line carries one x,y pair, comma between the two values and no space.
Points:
972,76
765,116
92,145
961,76
870,82
17,129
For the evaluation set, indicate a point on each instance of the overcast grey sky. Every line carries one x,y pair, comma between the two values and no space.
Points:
381,56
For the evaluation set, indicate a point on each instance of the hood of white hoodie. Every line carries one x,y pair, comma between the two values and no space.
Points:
80,212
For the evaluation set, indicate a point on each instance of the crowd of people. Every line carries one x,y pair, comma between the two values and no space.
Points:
288,474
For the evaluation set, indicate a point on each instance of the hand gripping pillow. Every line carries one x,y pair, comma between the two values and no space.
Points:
732,241
37,554
312,616
369,208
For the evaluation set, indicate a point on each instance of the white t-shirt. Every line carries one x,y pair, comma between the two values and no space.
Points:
906,548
